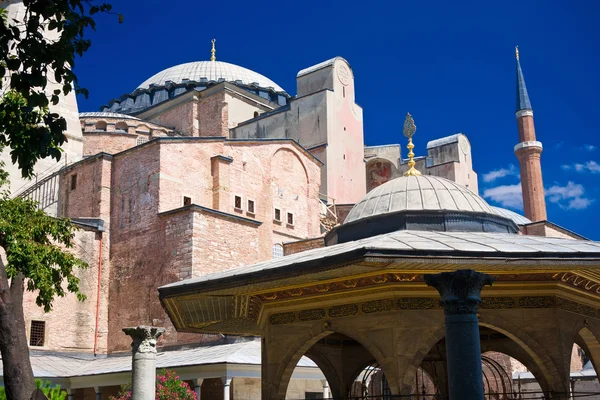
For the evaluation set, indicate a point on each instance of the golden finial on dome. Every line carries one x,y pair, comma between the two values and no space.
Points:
213,51
517,52
409,130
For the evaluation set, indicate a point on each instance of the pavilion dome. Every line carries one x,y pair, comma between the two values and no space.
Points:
419,203
416,193
216,71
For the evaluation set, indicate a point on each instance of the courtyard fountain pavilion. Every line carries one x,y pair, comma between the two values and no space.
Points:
360,306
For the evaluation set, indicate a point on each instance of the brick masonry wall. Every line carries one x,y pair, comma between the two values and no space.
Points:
212,115
150,250
302,245
110,143
71,324
181,117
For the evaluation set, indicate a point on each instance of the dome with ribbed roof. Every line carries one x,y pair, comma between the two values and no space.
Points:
210,71
413,193
419,203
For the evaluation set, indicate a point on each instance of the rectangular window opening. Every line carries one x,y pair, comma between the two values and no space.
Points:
37,333
251,206
187,201
237,204
277,215
290,218
73,181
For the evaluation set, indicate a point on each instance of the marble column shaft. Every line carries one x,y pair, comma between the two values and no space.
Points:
460,296
143,371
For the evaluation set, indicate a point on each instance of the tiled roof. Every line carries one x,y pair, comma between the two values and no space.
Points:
64,366
515,217
405,242
106,115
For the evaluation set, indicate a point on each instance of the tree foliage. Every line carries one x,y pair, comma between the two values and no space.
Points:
34,53
52,392
36,247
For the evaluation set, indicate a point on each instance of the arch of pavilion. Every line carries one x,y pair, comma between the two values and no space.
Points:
362,299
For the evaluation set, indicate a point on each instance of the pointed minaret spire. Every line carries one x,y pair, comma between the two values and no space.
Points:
528,152
523,102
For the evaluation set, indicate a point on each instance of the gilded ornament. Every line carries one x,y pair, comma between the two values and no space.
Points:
311,315
269,296
497,302
536,302
295,292
282,318
345,310
322,288
351,283
409,130
377,306
213,51
415,303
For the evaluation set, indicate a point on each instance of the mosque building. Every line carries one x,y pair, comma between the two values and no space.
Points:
208,166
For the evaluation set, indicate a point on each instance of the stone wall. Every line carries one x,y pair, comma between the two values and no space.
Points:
302,245
71,324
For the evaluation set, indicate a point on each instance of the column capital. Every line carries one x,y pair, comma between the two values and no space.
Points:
144,338
459,290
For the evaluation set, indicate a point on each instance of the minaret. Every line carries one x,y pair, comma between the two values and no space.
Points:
528,152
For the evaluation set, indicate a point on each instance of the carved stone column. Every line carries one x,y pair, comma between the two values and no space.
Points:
143,370
459,292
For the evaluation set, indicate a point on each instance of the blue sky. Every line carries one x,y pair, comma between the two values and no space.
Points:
450,64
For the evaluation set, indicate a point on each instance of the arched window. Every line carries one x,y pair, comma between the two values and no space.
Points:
121,127
101,126
255,114
277,250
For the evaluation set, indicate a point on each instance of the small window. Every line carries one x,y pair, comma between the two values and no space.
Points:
344,91
121,127
255,114
37,333
141,140
251,206
101,126
187,201
290,218
277,216
277,250
237,203
73,181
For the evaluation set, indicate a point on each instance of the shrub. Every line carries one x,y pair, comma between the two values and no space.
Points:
168,387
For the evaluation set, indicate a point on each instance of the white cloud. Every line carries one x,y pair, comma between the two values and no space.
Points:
589,166
569,197
500,173
507,195
589,147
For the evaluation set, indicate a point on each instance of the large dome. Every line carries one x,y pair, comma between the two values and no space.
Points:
210,71
414,193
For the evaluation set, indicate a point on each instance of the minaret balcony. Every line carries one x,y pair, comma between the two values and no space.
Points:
530,144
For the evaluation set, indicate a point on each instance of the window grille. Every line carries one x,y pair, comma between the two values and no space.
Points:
277,251
141,140
37,333
277,216
237,202
251,206
290,218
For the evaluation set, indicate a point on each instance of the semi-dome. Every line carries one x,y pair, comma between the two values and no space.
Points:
413,193
216,71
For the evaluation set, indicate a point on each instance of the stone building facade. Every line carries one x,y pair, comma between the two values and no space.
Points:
205,167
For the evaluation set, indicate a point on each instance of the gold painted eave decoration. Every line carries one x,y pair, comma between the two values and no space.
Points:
409,130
